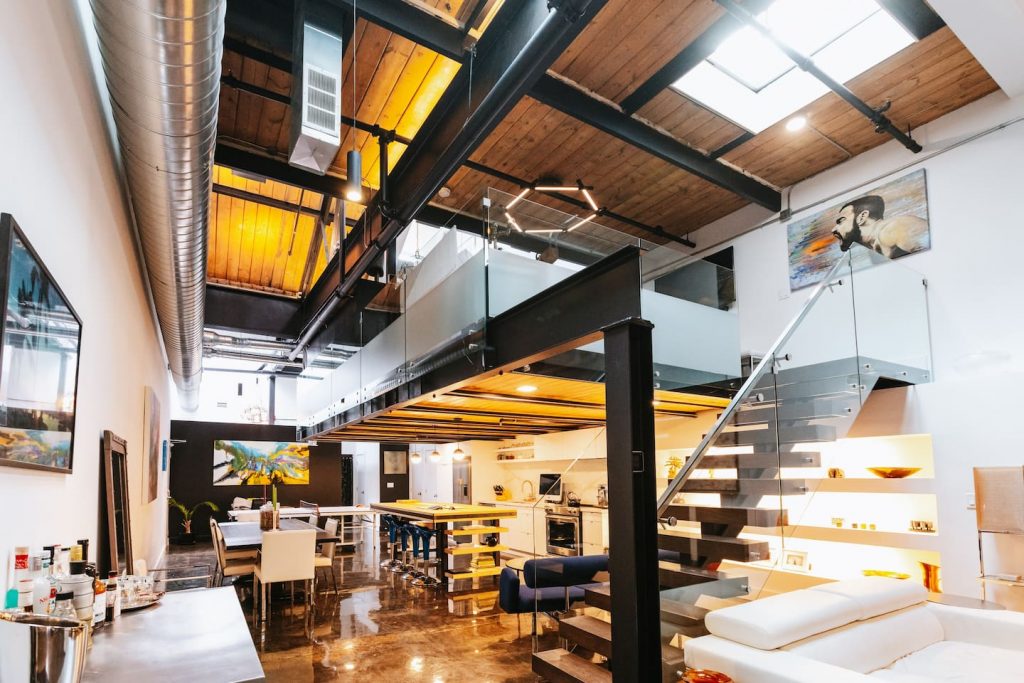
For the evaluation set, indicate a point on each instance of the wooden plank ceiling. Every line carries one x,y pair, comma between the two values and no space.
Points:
398,83
498,407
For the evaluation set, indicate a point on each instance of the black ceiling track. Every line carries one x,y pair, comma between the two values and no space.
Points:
608,118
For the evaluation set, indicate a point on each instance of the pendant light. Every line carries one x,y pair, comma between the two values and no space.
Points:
415,458
354,160
458,453
435,456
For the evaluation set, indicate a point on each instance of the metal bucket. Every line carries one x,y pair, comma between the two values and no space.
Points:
35,648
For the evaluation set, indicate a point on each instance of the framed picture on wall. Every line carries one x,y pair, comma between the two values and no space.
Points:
152,431
39,345
891,219
253,463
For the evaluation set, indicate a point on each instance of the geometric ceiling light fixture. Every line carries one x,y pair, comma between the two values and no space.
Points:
547,185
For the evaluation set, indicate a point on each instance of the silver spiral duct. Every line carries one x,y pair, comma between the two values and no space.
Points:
162,60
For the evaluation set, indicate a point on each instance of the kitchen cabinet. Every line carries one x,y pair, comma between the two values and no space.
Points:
594,530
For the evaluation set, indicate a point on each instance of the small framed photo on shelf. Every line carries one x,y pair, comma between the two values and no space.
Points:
795,560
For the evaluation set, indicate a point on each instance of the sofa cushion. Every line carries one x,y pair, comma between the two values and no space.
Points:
952,661
864,646
772,622
877,594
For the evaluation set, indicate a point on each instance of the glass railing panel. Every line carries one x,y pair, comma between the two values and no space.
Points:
892,317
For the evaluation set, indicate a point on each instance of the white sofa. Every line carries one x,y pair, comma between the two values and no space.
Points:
862,631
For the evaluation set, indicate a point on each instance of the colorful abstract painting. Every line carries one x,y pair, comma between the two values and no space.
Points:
36,447
256,463
891,219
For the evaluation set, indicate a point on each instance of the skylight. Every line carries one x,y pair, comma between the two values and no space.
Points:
751,82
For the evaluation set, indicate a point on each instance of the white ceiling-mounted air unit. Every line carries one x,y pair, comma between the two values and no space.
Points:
316,134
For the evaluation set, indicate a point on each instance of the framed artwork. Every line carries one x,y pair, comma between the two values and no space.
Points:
39,346
254,463
891,219
795,560
396,462
152,423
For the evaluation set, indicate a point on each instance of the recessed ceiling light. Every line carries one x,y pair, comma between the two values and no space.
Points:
796,123
526,388
444,192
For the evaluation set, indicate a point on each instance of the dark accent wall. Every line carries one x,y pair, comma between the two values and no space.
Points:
191,470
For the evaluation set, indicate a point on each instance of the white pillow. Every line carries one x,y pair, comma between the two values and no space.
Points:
877,594
865,646
782,619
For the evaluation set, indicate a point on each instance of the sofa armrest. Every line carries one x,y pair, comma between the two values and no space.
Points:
750,665
996,628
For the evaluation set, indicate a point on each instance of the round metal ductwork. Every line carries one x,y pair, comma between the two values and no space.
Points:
162,59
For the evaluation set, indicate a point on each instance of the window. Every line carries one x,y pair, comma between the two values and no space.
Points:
751,82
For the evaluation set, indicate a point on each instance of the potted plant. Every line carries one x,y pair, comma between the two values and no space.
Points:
186,537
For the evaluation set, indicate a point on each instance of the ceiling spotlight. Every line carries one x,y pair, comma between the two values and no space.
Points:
445,192
415,458
435,456
796,123
526,388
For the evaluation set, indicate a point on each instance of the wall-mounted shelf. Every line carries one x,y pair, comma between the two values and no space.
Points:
872,485
511,449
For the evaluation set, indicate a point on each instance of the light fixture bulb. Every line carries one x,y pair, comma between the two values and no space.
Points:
435,456
458,454
354,172
415,458
796,124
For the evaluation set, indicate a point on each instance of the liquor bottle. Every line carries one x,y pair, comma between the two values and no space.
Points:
113,597
99,605
44,591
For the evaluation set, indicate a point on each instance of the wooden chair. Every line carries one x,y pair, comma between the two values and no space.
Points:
285,556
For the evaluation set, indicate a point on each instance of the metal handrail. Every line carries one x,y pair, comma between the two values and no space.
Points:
766,362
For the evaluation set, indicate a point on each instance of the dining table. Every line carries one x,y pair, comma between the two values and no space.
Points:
249,536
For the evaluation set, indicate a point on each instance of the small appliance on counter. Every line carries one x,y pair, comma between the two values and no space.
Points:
501,493
572,500
602,496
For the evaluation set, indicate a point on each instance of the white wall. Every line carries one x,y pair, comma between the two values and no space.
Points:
58,180
972,410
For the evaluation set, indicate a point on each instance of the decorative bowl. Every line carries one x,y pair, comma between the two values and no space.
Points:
893,472
705,676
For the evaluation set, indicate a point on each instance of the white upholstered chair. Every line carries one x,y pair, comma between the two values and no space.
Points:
325,558
285,556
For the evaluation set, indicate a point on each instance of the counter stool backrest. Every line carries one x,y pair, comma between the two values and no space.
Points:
330,548
218,541
287,555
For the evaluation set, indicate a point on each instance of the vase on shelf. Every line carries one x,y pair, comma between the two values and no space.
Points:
931,577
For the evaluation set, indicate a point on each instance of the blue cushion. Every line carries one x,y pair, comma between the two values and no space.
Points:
563,571
516,598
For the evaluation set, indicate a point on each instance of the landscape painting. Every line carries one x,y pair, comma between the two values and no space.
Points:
891,219
41,337
257,463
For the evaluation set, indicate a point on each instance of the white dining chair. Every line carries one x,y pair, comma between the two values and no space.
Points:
325,558
230,563
285,556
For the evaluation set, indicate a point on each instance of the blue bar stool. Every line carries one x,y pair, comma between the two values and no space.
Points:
391,523
402,566
425,579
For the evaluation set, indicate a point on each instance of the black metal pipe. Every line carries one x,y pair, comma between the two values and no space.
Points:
881,121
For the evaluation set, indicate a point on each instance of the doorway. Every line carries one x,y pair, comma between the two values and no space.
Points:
462,481
394,472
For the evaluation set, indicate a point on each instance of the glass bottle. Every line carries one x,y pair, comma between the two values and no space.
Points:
65,606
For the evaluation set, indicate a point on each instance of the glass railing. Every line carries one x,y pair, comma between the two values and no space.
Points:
746,511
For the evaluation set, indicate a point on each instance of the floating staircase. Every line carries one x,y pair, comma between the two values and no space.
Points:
795,400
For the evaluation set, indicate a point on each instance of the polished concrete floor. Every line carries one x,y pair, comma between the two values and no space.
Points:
379,628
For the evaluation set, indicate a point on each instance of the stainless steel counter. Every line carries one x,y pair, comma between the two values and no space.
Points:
197,635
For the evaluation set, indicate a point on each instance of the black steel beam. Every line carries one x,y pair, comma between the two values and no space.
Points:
632,514
277,168
522,42
876,116
272,60
268,22
915,16
410,22
692,55
609,119
252,312
229,191
731,145
556,319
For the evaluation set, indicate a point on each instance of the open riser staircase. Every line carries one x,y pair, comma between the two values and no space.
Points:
744,476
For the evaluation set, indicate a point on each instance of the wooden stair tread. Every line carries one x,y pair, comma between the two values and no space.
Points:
596,635
562,666
474,573
714,547
599,596
759,460
675,575
760,517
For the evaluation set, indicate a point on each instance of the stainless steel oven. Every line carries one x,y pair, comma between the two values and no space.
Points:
564,530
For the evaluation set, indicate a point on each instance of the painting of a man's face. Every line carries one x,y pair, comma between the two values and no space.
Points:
847,228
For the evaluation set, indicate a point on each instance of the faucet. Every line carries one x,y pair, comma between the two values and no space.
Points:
523,486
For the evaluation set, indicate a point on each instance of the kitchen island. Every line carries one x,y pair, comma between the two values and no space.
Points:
483,523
